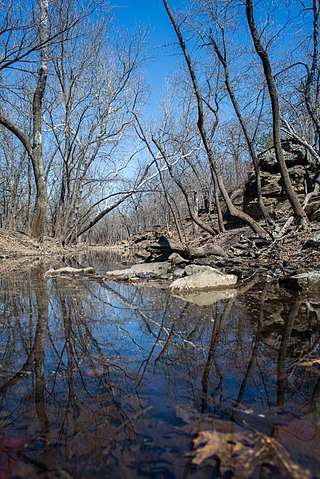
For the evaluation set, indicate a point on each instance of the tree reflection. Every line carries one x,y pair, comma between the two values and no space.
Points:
92,370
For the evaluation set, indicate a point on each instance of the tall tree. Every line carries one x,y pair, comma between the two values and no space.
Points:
33,144
25,40
222,56
39,220
97,87
298,210
203,132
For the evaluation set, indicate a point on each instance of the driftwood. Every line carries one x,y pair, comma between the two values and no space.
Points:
68,270
168,246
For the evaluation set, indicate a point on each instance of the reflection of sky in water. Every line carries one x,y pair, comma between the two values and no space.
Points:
112,360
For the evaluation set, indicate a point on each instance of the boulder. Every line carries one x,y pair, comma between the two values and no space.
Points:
303,170
155,270
204,278
294,154
313,209
270,184
198,268
303,281
159,268
178,272
175,259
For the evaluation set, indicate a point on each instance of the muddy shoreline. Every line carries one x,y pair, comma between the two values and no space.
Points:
239,252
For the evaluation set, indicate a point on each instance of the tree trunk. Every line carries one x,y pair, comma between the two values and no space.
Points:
190,204
39,220
273,93
201,127
313,76
34,149
250,145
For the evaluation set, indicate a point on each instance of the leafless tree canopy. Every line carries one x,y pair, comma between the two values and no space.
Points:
79,155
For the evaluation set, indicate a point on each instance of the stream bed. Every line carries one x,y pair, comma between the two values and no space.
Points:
111,380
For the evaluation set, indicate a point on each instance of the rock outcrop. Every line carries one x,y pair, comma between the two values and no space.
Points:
303,170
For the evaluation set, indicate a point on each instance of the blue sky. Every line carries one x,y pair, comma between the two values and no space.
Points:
151,13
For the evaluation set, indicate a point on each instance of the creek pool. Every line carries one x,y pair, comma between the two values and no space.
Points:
110,380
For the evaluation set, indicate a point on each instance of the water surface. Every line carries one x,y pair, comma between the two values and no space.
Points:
109,380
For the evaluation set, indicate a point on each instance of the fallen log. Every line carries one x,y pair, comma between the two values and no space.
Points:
169,246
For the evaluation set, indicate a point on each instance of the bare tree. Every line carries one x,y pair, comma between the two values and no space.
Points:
13,172
26,38
222,56
276,115
301,81
98,86
33,145
203,133
310,85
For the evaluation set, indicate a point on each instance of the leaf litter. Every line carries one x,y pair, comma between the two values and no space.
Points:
243,452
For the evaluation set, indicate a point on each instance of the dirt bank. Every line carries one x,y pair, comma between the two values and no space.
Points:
296,251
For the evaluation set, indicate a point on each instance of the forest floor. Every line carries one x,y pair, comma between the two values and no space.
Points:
296,251
245,252
14,245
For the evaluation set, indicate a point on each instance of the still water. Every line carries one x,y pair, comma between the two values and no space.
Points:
108,380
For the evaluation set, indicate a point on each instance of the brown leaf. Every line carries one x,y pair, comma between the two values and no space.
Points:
310,362
243,452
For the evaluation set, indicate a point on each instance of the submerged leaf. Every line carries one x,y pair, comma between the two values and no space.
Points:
310,362
243,452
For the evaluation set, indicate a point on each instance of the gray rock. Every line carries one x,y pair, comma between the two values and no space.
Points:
205,280
313,210
303,281
294,154
271,184
150,269
178,273
198,268
302,169
176,259
68,270
316,236
162,267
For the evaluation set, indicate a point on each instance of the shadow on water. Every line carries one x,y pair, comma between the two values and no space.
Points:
115,381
